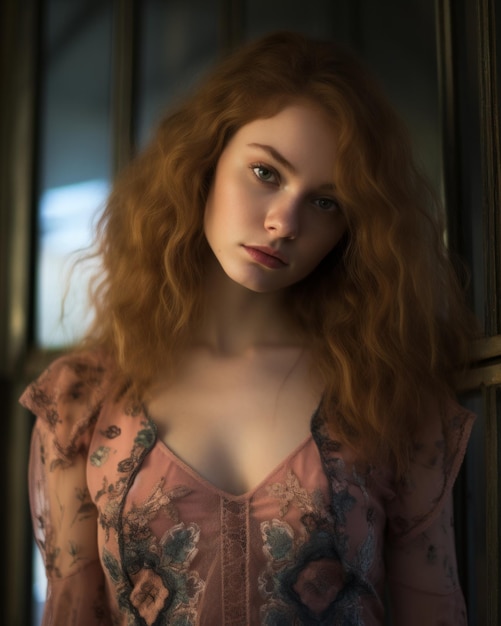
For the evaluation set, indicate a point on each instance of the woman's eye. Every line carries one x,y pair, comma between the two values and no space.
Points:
265,174
326,204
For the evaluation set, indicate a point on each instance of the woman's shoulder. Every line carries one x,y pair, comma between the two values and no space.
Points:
412,500
67,397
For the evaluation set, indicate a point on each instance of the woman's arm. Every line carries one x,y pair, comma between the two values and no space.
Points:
65,400
65,526
420,550
422,577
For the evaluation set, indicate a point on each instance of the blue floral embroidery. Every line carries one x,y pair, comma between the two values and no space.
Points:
309,579
100,456
158,584
325,589
308,583
278,540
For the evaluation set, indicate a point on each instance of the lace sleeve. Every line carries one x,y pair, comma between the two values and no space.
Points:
66,401
437,457
420,549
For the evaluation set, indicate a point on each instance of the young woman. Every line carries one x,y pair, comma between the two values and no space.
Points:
259,427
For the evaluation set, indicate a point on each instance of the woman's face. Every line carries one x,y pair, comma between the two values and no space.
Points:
271,214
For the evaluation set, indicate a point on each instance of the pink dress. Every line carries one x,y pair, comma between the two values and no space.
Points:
132,535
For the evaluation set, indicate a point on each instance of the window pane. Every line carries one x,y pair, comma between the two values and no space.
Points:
74,157
39,586
395,39
179,43
315,19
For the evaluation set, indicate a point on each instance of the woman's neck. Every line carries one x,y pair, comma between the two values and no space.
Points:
237,320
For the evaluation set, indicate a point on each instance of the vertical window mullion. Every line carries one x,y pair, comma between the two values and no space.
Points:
20,44
491,178
126,32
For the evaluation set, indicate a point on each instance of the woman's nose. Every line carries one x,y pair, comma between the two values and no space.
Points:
282,218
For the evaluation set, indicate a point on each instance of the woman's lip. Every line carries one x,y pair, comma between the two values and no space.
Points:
267,256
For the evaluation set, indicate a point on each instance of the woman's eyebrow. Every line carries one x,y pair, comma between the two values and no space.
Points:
276,155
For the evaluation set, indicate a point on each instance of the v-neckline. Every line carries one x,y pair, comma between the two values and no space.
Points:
210,486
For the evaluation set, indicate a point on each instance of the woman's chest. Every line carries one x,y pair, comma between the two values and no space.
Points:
285,545
234,420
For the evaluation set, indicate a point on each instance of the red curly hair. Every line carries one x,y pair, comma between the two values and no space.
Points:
383,312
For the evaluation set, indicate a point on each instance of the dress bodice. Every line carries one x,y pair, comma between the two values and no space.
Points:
133,535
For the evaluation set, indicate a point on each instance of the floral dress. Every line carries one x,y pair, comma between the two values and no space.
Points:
130,534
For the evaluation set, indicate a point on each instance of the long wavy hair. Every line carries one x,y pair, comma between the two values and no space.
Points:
384,313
